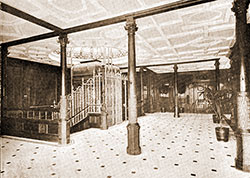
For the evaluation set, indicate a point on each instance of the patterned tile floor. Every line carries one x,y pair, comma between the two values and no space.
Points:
171,148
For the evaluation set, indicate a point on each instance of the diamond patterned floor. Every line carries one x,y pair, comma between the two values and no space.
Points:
183,147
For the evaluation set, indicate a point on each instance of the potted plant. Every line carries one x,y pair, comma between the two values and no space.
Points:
217,100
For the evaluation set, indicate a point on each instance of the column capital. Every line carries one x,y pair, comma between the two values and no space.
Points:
3,47
4,51
175,67
63,40
240,7
217,63
131,26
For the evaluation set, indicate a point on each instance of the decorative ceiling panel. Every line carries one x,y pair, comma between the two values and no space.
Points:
119,6
168,18
23,5
186,39
221,33
157,2
194,33
7,19
149,33
144,23
166,52
172,29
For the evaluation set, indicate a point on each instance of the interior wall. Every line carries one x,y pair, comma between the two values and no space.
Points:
190,90
150,92
31,84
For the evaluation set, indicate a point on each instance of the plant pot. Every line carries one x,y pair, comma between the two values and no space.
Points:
216,120
222,133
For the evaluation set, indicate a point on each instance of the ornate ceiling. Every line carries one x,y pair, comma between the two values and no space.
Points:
194,33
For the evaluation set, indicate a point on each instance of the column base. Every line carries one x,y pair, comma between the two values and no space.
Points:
177,116
242,110
176,113
63,132
63,124
133,139
142,114
104,125
242,160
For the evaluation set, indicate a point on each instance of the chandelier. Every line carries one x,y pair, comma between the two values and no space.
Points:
92,53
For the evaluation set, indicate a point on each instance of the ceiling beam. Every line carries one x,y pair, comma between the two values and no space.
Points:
118,19
18,13
31,39
167,64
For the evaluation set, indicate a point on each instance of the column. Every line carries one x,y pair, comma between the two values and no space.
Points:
133,127
149,92
217,74
242,160
63,126
176,105
217,85
125,99
4,53
104,124
142,91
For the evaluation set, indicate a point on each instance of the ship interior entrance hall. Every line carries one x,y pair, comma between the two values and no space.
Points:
88,101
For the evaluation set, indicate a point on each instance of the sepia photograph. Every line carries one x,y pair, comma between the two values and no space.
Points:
124,89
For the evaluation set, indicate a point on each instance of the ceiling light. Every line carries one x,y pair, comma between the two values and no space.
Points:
91,53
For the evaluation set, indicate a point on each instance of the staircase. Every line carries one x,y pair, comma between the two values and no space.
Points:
85,104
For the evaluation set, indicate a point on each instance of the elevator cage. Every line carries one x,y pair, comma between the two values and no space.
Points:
97,88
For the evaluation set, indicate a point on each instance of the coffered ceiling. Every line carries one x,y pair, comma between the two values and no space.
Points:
200,32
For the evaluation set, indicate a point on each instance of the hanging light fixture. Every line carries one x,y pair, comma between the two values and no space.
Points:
91,53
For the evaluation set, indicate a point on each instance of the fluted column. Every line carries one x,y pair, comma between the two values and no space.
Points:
176,103
64,129
242,160
133,127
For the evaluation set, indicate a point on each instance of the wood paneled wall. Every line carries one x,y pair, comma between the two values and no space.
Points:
32,84
154,84
151,92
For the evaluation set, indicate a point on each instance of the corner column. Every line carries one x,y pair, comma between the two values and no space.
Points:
133,127
4,53
217,74
242,160
176,103
217,84
149,92
142,91
63,127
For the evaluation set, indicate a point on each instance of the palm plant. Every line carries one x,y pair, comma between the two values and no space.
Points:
219,101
